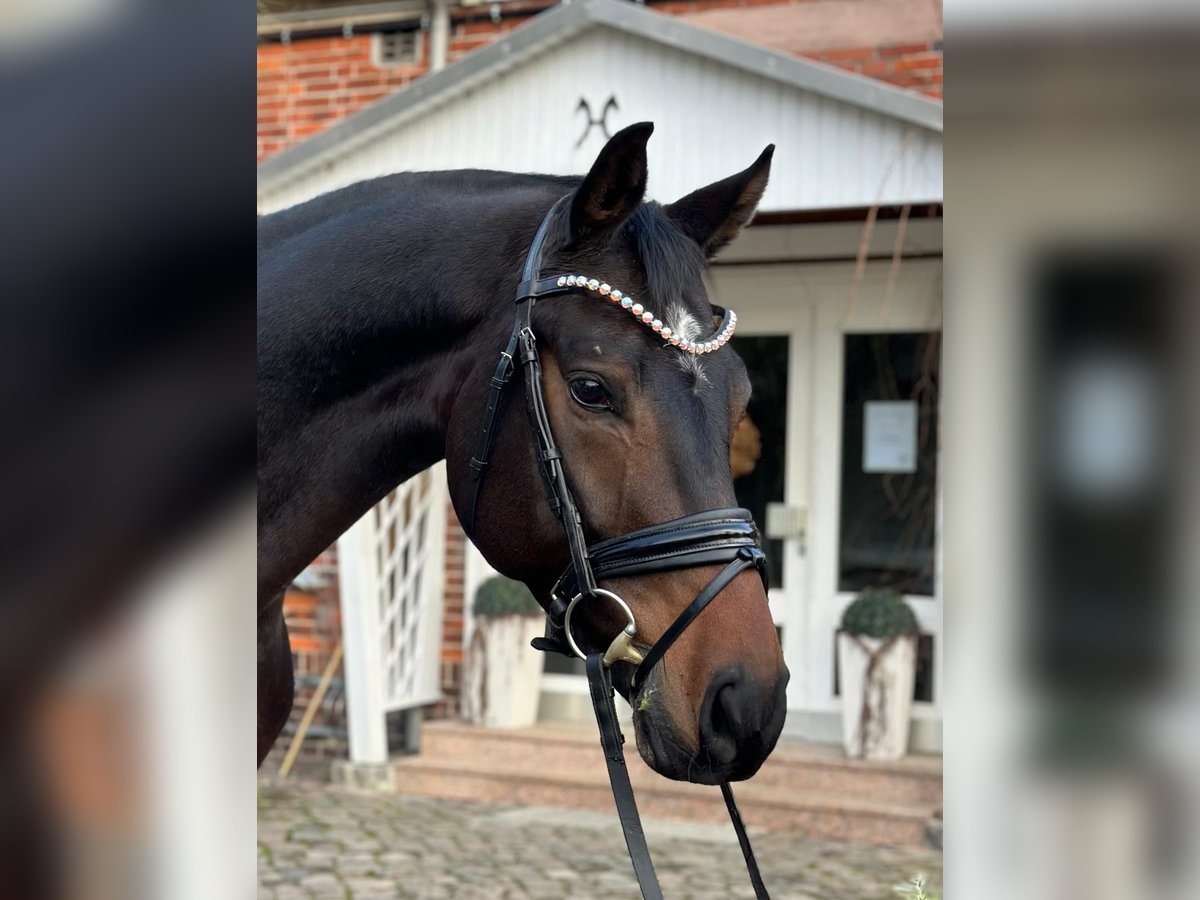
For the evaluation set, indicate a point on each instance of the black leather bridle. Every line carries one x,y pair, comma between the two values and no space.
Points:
725,537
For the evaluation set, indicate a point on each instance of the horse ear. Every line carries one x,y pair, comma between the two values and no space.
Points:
713,215
614,187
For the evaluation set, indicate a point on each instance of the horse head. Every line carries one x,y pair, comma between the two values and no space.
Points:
644,425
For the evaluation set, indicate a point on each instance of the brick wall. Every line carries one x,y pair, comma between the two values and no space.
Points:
313,616
452,616
915,66
308,84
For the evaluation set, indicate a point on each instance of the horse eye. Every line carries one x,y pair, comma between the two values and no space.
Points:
590,393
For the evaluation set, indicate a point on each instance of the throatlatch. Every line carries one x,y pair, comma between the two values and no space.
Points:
726,537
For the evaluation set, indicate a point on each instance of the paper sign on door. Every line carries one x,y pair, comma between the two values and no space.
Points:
890,436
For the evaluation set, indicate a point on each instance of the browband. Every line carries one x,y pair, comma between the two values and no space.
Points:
564,284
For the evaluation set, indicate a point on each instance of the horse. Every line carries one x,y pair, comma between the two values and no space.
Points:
381,309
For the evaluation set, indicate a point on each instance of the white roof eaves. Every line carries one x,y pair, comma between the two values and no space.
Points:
795,71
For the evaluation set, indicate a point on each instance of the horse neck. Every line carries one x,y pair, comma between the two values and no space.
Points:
367,334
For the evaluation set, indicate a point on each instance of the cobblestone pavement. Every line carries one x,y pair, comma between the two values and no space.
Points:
320,841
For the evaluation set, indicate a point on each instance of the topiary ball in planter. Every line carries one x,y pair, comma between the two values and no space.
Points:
500,596
501,685
879,613
876,667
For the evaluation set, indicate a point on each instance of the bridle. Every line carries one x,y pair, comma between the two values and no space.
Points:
725,537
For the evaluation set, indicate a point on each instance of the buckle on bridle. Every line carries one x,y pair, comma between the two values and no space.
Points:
621,647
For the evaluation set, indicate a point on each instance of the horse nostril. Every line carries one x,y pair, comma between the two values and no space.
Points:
722,718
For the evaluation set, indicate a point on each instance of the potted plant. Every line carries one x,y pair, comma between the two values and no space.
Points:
502,678
877,665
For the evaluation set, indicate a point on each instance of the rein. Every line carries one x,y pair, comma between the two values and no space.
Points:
712,537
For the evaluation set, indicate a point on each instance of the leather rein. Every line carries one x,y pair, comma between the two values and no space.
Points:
725,537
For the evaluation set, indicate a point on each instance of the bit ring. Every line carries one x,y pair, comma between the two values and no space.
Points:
629,631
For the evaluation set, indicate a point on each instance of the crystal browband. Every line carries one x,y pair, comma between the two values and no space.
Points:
648,318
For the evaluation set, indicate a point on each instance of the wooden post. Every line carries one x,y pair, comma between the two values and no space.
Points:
358,589
310,711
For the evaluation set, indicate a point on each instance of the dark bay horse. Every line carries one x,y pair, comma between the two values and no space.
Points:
382,308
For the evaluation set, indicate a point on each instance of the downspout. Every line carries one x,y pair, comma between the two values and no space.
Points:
439,33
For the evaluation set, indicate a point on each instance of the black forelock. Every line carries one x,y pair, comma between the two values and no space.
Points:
667,266
671,261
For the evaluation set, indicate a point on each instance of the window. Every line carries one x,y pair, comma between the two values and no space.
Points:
396,48
889,462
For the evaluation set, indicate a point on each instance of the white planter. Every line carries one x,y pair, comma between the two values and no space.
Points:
502,675
887,691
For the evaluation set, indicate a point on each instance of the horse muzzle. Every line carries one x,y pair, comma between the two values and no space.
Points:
738,723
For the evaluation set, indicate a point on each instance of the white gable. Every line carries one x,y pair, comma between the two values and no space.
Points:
712,119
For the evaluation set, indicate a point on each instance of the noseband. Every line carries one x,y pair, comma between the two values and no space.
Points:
726,537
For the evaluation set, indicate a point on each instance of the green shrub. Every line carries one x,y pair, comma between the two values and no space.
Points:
879,613
501,596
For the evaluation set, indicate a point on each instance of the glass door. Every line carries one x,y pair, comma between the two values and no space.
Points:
759,451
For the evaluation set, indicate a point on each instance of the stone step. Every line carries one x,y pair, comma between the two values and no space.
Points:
764,808
794,767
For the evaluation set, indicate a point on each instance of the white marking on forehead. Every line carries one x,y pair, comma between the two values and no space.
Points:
684,324
597,350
